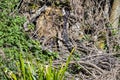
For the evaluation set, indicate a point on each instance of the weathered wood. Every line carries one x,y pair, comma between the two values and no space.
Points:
115,14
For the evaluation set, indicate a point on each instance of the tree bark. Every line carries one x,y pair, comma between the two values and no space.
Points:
115,13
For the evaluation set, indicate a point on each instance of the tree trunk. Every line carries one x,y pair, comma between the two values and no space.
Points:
115,13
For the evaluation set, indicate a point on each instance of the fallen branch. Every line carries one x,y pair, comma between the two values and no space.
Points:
98,55
89,64
33,17
81,62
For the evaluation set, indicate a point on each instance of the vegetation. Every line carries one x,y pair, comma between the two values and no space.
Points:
63,24
23,58
32,69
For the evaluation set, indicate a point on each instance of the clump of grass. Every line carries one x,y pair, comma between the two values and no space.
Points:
31,69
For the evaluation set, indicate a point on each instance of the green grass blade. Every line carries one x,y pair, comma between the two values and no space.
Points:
22,66
13,76
63,69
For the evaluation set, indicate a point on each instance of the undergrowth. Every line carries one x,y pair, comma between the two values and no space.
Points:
24,59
